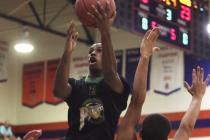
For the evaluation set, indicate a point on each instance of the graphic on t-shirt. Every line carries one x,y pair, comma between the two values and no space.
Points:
92,110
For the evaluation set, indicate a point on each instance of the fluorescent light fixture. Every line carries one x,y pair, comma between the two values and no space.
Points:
24,47
208,28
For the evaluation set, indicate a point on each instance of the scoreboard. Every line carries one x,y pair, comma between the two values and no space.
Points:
182,24
173,17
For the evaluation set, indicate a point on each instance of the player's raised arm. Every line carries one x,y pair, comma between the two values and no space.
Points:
128,123
109,64
62,88
197,90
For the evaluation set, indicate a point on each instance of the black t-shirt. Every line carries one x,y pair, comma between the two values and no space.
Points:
94,110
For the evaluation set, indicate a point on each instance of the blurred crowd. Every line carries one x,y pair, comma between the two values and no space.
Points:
6,133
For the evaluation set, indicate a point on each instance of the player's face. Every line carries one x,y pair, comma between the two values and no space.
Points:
95,57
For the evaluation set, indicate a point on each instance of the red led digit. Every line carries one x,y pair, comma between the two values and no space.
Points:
153,24
173,34
145,1
185,13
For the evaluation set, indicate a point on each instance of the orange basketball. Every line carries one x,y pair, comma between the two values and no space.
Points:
82,7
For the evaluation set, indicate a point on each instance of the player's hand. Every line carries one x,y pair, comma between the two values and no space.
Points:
33,135
72,37
147,47
101,16
198,87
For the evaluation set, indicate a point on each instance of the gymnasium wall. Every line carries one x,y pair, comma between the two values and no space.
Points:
8,92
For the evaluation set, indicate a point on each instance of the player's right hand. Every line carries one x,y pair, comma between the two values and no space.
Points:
147,47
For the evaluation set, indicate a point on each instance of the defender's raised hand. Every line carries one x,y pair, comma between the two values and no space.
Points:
197,90
198,87
147,46
72,36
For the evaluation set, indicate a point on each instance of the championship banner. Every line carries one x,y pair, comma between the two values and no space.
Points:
3,61
191,62
33,84
119,58
167,71
132,59
50,77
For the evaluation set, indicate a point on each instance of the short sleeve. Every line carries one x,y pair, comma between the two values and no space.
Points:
72,82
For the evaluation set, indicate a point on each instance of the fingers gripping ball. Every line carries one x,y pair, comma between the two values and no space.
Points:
82,8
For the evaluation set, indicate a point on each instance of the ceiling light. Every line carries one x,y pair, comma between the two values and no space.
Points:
24,47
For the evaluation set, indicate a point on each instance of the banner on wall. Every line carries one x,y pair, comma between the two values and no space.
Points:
33,84
167,71
192,62
3,61
51,67
132,59
119,58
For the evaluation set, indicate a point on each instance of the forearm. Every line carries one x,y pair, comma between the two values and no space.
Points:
139,92
62,75
190,117
108,57
109,65
188,121
140,80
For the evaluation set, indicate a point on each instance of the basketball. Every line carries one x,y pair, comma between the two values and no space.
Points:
82,7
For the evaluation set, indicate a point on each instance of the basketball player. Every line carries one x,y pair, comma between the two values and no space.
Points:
95,101
156,126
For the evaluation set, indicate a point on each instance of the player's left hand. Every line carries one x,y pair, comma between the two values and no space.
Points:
198,87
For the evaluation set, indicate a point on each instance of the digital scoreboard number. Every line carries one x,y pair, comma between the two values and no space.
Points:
173,17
